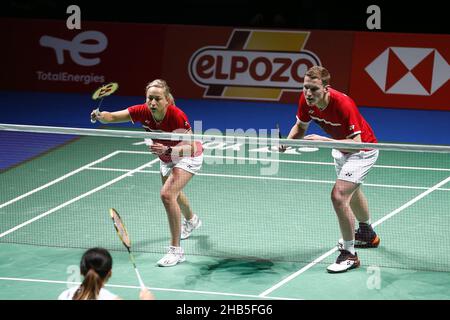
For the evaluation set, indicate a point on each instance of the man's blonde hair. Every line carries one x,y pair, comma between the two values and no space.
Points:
159,83
318,72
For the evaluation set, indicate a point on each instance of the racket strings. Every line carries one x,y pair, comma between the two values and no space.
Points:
121,230
105,90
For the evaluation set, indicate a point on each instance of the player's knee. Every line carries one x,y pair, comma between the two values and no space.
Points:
338,197
167,196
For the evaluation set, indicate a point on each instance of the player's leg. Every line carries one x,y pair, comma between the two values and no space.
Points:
186,209
359,206
170,192
365,236
362,163
351,170
183,202
340,197
191,221
169,196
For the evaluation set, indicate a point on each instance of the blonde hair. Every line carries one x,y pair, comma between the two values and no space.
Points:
318,72
159,83
171,99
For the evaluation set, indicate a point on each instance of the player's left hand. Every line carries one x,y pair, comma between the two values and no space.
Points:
158,149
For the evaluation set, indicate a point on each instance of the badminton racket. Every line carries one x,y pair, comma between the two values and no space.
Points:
280,137
124,237
101,93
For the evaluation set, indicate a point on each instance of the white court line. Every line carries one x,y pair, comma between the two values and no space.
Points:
151,288
271,178
206,156
77,198
296,161
322,257
242,158
58,179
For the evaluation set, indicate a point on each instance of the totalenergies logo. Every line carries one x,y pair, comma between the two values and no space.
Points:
88,42
255,64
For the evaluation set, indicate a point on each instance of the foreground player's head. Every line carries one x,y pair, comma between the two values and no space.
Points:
95,266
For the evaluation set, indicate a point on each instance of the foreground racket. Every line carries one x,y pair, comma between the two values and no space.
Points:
123,235
279,135
100,93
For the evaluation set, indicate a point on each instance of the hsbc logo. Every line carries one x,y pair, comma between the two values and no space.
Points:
409,71
255,64
77,46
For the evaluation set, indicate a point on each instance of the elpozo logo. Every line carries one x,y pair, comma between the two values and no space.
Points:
409,71
255,64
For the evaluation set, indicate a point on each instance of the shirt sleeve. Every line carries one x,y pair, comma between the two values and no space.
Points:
351,119
63,296
106,295
180,122
137,113
302,113
67,294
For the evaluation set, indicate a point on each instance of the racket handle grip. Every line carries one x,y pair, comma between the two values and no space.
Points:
97,112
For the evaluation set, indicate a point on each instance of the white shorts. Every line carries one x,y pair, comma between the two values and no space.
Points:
354,167
189,164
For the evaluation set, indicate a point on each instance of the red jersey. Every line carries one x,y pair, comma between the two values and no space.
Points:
174,120
340,119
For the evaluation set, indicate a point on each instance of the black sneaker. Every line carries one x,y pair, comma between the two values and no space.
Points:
345,261
366,237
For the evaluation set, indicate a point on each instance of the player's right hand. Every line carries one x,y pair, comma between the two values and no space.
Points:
145,294
95,115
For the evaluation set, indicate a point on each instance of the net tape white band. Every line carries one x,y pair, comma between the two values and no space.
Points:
224,138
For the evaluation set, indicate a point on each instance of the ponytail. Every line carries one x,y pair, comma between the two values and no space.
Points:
90,288
95,266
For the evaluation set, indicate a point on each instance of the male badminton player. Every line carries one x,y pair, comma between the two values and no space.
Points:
179,161
338,116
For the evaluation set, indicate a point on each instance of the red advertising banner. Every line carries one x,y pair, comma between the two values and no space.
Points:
401,70
251,64
385,70
43,55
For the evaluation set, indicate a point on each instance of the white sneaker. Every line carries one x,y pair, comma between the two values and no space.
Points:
174,256
345,261
190,225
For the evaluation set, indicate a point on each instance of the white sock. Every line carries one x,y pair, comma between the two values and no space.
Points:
366,222
349,246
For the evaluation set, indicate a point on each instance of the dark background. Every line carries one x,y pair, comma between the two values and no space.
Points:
396,16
